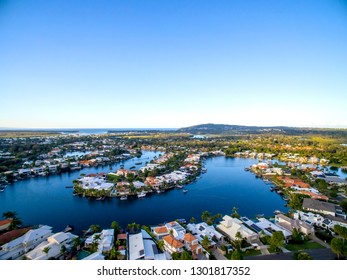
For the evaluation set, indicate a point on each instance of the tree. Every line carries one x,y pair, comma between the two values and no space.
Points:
338,247
114,254
192,220
238,241
46,250
186,256
302,256
297,236
236,255
205,216
277,240
15,220
234,214
343,204
295,201
205,242
95,228
133,227
116,227
9,214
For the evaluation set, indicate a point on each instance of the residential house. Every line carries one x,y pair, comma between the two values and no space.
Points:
21,245
289,224
192,244
176,230
141,246
231,226
322,207
5,224
202,229
52,248
104,239
160,232
172,245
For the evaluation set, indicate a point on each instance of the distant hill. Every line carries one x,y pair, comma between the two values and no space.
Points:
211,128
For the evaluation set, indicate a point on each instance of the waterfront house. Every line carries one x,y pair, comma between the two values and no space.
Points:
289,224
104,239
160,231
52,247
176,230
319,206
231,226
202,229
172,245
5,224
97,183
16,248
141,246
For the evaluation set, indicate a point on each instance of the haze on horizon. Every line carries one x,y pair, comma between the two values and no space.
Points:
172,64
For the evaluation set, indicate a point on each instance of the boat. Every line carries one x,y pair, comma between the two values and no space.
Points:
101,198
141,194
69,228
69,187
266,180
158,191
179,186
277,212
246,169
185,191
203,170
138,163
124,197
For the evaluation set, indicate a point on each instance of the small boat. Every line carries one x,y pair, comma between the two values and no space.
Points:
158,191
124,197
138,163
277,212
246,169
69,228
179,186
266,180
185,191
69,187
141,194
101,198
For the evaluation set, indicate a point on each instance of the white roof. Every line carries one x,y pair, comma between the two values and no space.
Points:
136,246
95,256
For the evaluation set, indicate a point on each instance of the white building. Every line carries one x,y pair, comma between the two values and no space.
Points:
104,239
52,247
21,245
231,226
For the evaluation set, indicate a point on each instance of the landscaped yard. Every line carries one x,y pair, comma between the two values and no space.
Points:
306,245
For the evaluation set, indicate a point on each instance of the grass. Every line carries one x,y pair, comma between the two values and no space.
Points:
252,252
304,246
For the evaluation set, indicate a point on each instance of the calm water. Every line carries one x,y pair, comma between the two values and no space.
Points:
45,200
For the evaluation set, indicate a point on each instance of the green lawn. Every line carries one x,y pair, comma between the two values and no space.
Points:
251,252
306,245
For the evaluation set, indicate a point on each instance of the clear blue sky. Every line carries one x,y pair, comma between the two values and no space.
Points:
172,63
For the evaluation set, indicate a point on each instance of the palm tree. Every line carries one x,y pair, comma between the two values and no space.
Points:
205,242
95,228
9,214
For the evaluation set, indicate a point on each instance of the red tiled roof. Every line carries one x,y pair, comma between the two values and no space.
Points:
161,230
189,237
13,234
121,236
5,222
173,242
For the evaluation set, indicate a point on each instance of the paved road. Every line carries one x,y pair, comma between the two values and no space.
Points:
317,254
218,255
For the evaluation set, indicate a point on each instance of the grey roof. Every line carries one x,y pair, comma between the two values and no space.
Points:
336,219
318,205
